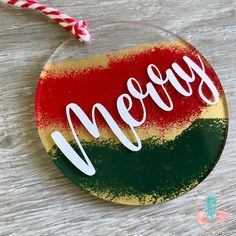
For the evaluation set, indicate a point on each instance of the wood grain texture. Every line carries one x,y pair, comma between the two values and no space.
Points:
35,197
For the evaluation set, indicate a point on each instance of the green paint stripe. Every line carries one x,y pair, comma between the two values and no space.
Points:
156,170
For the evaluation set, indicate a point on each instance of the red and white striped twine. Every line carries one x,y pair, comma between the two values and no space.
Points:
77,28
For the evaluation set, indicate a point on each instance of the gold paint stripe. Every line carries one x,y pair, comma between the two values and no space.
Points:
102,60
145,199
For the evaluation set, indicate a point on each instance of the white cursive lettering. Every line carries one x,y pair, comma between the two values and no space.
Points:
135,92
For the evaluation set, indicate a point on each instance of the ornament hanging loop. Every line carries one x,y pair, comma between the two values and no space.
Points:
79,29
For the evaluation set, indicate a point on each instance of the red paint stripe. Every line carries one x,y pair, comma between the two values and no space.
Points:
96,84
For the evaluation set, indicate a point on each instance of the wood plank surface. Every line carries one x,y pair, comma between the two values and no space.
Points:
35,197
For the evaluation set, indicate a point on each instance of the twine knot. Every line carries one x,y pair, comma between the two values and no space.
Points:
80,31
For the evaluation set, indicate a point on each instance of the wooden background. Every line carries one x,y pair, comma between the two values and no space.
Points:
35,197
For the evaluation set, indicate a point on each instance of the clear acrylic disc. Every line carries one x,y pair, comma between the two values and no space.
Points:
137,117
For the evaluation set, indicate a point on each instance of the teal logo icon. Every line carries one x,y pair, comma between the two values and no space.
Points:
211,214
